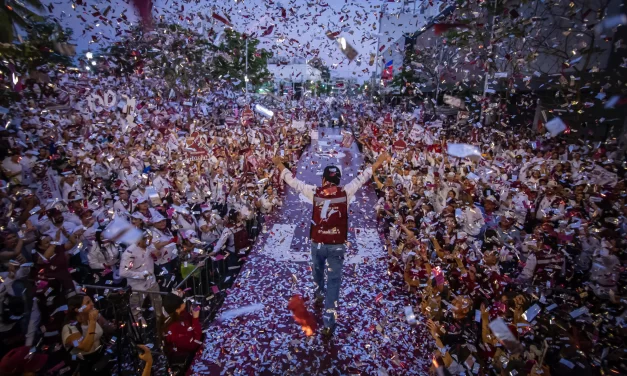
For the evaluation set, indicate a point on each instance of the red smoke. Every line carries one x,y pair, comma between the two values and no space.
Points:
302,317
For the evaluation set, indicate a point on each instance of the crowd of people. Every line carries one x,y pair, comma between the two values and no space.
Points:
114,196
514,254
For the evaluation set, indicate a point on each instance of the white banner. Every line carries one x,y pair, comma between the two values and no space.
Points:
49,188
298,124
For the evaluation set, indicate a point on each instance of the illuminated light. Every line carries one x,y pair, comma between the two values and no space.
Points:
342,42
93,63
89,55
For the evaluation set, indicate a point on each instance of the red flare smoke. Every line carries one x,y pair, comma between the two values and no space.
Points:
302,317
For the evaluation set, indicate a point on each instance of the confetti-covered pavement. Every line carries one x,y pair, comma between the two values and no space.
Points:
372,337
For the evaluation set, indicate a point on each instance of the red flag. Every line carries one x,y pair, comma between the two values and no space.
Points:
144,8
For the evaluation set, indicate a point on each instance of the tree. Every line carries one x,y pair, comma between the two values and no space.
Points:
38,48
16,13
178,55
410,74
230,60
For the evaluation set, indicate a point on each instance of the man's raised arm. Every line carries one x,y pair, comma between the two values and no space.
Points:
352,187
286,175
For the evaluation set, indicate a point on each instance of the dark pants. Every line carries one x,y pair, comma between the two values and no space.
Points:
333,256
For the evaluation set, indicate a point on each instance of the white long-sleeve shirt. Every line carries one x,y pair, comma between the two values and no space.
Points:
135,264
309,190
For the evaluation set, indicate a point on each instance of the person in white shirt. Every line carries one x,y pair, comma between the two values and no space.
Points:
185,221
59,229
70,184
28,162
268,201
160,183
122,206
208,225
167,261
138,267
471,220
12,167
545,209
140,192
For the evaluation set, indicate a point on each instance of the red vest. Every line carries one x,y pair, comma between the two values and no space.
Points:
330,215
240,237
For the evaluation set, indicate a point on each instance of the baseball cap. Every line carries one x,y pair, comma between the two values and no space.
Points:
332,174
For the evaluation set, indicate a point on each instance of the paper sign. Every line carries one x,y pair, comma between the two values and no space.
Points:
196,148
298,124
452,101
505,336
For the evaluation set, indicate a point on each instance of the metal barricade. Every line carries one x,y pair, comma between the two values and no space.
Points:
205,284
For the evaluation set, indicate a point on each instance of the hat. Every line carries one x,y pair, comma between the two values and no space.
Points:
191,236
140,199
332,174
410,218
78,197
157,217
204,208
138,215
20,360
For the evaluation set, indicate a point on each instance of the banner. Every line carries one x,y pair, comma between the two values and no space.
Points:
247,116
49,188
298,124
196,148
347,140
454,102
416,133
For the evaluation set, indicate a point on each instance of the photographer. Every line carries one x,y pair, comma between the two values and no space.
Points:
82,336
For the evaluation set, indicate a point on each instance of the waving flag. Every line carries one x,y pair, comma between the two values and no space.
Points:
388,72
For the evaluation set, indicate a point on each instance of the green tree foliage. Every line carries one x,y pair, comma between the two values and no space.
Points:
178,55
44,44
16,13
230,60
186,60
409,74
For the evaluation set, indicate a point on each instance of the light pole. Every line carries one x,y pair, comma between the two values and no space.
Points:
487,71
376,59
246,76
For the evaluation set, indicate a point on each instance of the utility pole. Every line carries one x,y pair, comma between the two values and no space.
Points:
487,72
439,66
246,76
376,59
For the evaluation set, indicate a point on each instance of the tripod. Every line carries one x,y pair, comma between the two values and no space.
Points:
127,331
